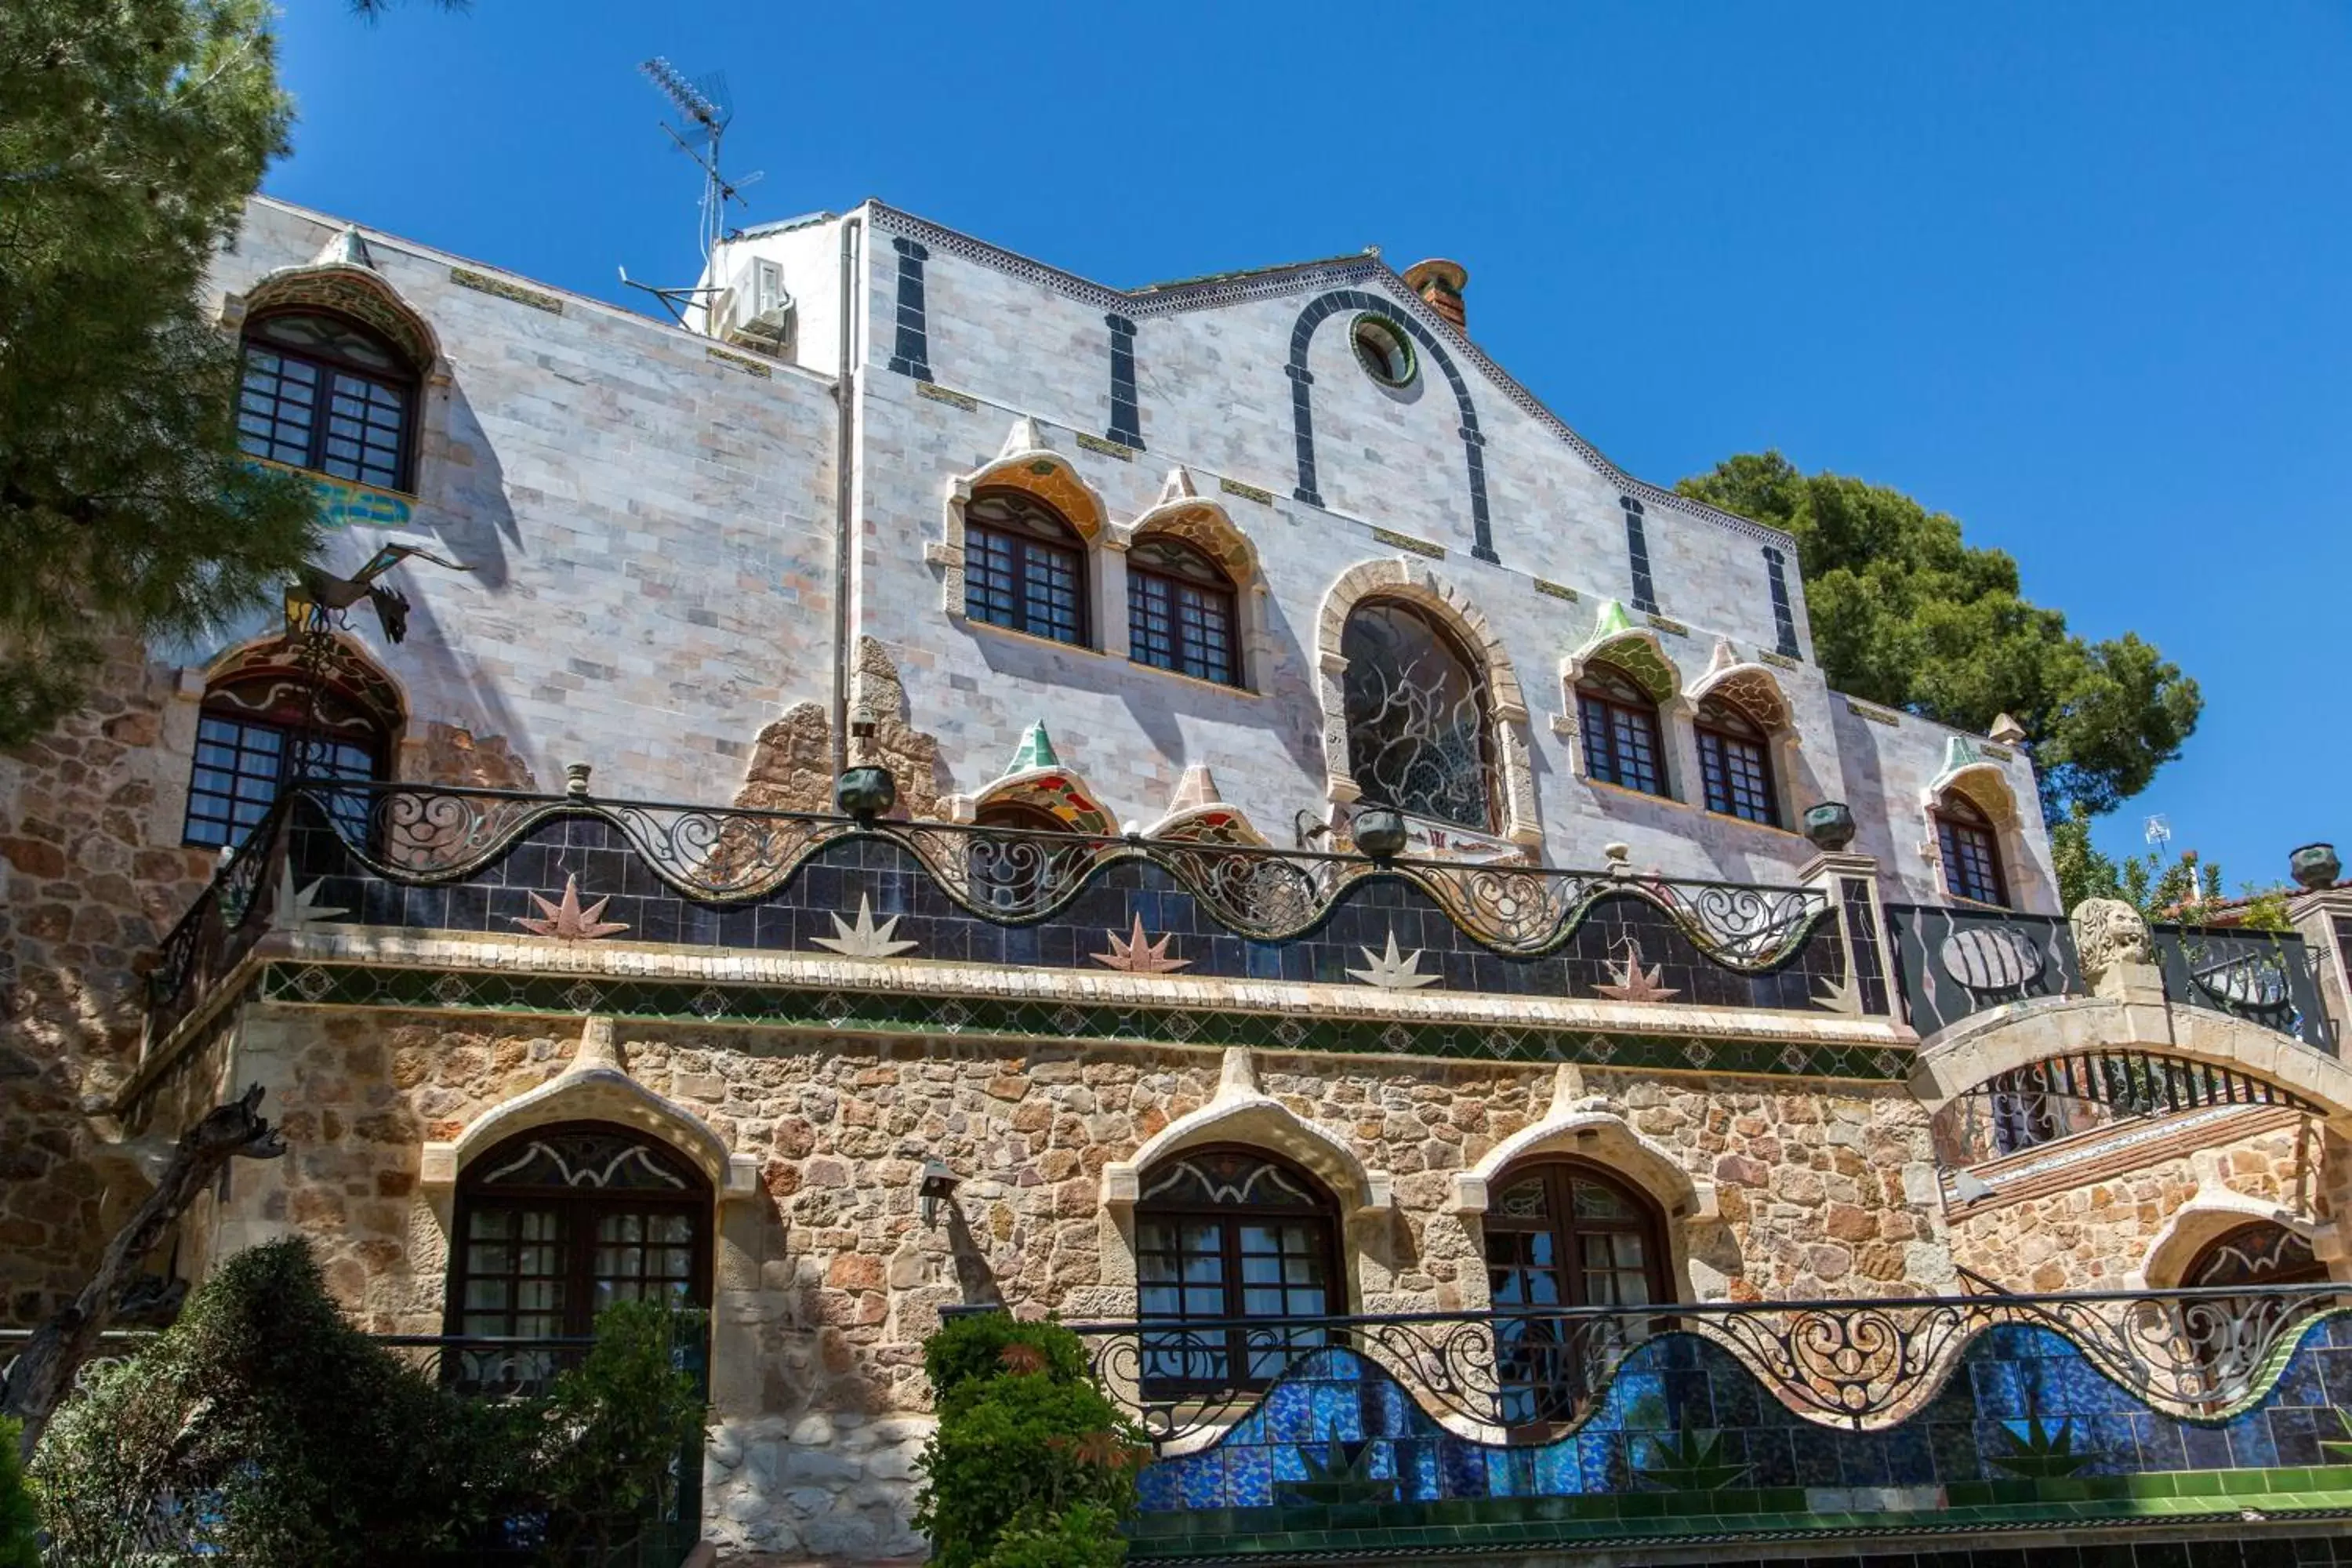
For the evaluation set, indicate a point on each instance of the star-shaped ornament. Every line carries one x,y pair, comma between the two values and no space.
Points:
1635,983
298,908
864,940
1137,956
1840,996
1392,971
567,922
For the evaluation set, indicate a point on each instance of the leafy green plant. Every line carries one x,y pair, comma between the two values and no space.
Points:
611,1431
265,1430
2185,888
19,1523
1032,1465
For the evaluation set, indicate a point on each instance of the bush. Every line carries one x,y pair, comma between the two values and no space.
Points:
1032,1465
19,1525
263,1429
611,1431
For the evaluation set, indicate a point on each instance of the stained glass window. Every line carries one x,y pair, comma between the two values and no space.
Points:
1416,714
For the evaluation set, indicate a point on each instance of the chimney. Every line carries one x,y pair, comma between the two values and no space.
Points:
1441,283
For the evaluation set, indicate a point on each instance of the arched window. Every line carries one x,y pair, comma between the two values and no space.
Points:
1224,1235
2257,1253
265,723
559,1222
1179,611
1024,567
1623,745
325,393
1971,850
1416,711
1565,1233
1735,763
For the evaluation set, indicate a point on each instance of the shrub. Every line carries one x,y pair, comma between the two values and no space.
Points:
610,1433
1032,1467
263,1429
19,1545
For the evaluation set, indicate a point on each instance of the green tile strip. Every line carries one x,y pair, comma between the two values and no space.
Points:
2151,1502
930,1017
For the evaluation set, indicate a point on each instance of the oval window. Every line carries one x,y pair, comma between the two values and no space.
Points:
1383,349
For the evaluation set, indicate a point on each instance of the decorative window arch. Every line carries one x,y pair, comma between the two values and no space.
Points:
1183,610
1623,734
2259,1252
1566,1233
1737,776
1419,735
1227,1232
558,1221
1029,482
1968,844
326,393
1025,567
267,718
1447,611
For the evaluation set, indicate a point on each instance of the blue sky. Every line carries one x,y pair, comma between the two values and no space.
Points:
2076,274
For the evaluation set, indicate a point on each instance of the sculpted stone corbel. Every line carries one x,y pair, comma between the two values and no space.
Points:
2111,941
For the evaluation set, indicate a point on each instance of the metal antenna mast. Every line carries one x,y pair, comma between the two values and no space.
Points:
704,111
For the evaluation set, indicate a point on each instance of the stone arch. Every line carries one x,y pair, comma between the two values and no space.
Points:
348,667
1415,583
1321,309
1965,1055
2205,1219
1757,690
343,281
1024,463
597,1086
1984,784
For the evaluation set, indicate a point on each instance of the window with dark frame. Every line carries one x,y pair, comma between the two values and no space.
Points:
1623,745
1971,851
1024,567
1419,737
1224,1234
1735,763
255,736
559,1222
326,394
1562,1233
1181,611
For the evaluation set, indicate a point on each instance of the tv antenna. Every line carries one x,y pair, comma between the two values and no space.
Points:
2158,831
704,109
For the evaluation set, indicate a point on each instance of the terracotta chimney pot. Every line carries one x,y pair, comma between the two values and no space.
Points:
1441,284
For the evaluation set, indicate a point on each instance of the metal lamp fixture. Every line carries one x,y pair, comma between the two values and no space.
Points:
934,1187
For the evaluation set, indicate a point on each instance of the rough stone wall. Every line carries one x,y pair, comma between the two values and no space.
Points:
2101,1233
791,761
91,874
829,1280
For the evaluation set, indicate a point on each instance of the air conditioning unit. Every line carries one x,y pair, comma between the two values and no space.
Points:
757,309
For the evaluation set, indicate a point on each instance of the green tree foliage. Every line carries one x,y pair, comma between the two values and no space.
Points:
2186,890
1032,1465
19,1525
1906,615
262,1429
130,133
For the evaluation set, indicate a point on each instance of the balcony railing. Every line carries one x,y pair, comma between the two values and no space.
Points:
486,860
1922,1399
1951,961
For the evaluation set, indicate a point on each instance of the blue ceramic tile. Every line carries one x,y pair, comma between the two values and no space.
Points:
1557,1474
2250,1443
1288,1415
2159,1440
1155,1489
2205,1447
1461,1471
1249,1475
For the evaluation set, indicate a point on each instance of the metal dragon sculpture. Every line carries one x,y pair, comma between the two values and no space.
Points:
317,599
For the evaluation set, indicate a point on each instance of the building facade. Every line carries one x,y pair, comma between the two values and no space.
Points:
941,784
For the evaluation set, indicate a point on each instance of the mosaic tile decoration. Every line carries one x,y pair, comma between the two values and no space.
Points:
931,1017
1685,1443
800,915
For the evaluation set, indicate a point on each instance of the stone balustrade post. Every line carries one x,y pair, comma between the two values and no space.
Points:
1851,884
2324,918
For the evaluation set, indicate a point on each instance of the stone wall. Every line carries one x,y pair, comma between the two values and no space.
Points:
2111,1233
829,1281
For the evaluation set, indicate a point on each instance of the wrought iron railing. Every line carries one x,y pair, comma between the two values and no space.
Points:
2049,1101
2269,977
717,859
1522,1374
1952,962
